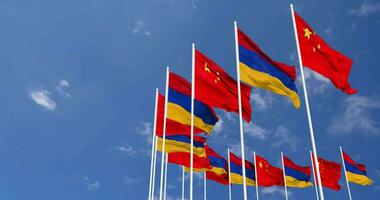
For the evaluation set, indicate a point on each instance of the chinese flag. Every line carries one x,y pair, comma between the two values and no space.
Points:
172,127
319,56
267,175
330,173
218,89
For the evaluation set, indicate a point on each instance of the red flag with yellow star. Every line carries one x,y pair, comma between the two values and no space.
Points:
330,173
218,89
268,175
319,56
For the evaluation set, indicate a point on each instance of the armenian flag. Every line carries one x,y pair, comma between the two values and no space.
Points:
295,175
236,171
259,70
182,143
356,173
219,167
179,106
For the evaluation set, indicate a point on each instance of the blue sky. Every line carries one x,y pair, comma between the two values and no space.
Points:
78,79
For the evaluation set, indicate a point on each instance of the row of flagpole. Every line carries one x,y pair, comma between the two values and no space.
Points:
153,157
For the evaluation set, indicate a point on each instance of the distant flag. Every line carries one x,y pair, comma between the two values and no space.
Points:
319,56
218,89
237,171
259,70
330,173
219,167
296,176
179,105
268,175
356,173
172,127
200,163
182,143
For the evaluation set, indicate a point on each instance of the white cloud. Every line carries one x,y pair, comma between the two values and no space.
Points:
130,180
218,126
255,131
283,137
141,27
366,8
146,130
263,100
60,87
126,149
316,83
91,185
275,190
356,115
41,97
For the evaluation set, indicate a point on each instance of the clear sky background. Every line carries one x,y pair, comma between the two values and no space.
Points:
77,86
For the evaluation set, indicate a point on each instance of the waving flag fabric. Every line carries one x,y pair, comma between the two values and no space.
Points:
296,176
319,56
200,163
356,173
330,173
219,167
237,171
258,70
268,175
182,143
218,89
172,127
179,106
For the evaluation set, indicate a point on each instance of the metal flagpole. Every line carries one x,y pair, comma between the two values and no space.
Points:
283,171
166,175
183,183
257,178
315,180
314,147
164,131
204,186
345,173
153,139
192,119
229,175
240,111
154,167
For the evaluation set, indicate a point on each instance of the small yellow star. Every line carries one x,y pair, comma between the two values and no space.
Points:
206,68
261,164
319,47
307,33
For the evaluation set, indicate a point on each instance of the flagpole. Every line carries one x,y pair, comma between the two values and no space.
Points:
183,183
166,175
229,175
283,171
345,172
240,111
315,180
314,147
164,131
204,186
257,178
192,119
154,167
153,139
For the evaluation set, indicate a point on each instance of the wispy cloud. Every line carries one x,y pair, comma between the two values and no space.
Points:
365,9
316,83
275,190
356,115
218,126
146,130
283,137
130,180
262,100
126,149
255,131
42,98
61,86
91,185
140,27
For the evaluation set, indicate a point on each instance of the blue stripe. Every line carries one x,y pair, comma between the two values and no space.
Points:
256,62
217,162
201,110
296,174
238,170
354,169
184,139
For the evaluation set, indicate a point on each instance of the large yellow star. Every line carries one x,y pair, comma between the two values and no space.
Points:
307,33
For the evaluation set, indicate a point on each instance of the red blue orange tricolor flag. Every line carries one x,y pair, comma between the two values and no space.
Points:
295,175
355,172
